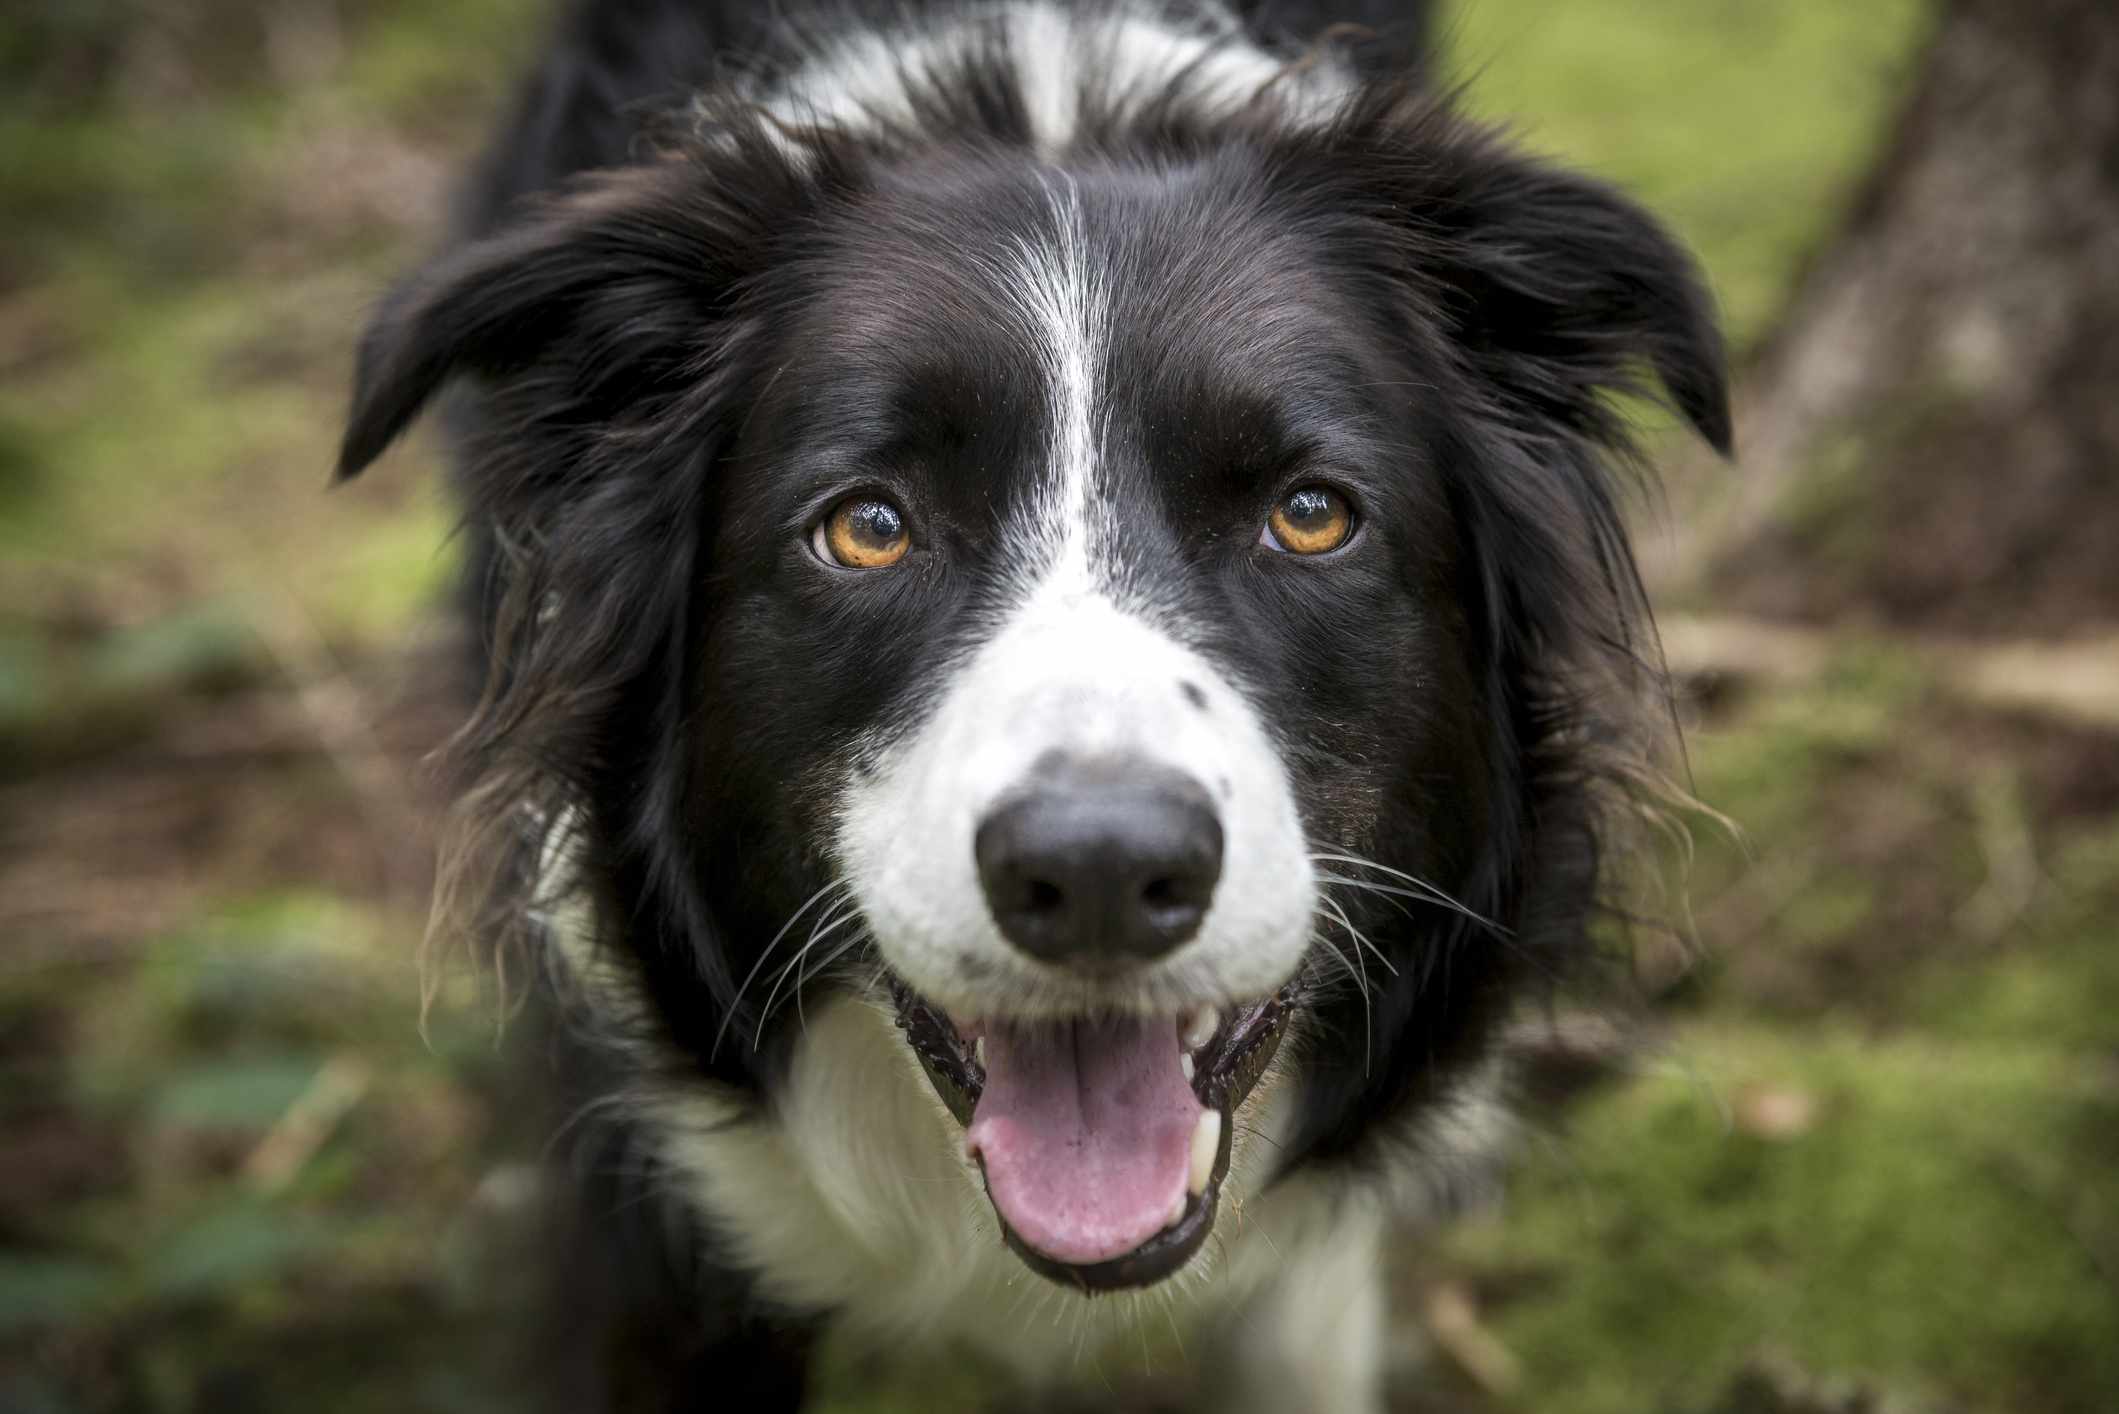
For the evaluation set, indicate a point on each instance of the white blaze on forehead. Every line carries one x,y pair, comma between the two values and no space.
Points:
1062,298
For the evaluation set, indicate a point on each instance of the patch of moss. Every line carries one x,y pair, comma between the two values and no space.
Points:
1765,768
1919,1231
2052,977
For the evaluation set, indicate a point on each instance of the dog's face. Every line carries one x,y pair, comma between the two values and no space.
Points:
1104,588
1120,611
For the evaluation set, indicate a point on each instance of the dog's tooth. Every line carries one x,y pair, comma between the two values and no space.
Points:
1206,1141
1177,1211
1184,1063
978,1051
1199,1028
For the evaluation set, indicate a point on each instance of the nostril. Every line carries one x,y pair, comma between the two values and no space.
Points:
1174,893
1043,897
1173,904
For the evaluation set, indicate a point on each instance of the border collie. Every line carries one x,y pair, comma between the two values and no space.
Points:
1061,659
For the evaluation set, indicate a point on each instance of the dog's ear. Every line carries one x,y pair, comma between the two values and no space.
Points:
473,311
628,266
1561,290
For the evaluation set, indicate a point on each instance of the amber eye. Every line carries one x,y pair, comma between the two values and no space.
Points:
1309,521
862,533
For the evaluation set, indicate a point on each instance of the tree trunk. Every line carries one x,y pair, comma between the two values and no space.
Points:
1932,437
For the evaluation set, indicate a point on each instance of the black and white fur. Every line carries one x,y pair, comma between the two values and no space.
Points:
1084,290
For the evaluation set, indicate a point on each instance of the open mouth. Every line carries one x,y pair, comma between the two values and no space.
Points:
1103,1143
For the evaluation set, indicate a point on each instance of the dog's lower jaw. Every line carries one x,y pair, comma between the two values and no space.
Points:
851,1198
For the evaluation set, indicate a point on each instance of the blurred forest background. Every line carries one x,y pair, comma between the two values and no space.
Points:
1870,1161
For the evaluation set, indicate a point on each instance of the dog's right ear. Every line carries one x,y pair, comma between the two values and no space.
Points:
629,265
471,311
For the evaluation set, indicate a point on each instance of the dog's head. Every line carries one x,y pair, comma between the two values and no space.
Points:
1122,605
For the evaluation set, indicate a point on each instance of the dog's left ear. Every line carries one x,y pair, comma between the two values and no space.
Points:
1561,290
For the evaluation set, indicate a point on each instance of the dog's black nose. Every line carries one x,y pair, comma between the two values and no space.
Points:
1100,862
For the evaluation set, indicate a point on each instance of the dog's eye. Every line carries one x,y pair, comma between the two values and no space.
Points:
862,533
1309,521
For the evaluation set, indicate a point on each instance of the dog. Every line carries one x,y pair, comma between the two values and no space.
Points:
1061,659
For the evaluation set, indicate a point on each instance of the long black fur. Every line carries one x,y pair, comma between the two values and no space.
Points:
622,289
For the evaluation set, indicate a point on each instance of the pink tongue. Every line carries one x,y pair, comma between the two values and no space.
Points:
1085,1129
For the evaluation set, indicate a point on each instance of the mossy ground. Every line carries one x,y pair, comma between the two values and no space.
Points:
1879,1135
1880,1140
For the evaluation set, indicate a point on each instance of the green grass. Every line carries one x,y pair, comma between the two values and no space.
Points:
197,270
2057,983
1744,125
1944,1224
1928,1232
181,1066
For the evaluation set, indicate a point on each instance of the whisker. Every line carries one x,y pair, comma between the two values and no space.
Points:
736,1002
1360,938
801,958
1389,893
1368,1007
826,926
1422,889
1328,953
858,940
1418,887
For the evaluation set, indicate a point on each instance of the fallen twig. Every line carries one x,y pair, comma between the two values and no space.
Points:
292,1141
2076,681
